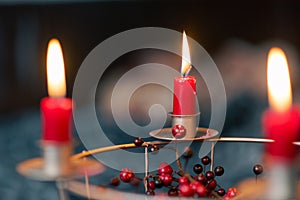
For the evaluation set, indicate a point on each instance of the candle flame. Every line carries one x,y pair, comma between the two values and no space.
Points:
56,79
186,59
279,84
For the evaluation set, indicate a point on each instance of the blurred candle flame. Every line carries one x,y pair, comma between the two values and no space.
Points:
56,79
186,59
279,84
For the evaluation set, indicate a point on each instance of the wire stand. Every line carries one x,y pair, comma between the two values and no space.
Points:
88,167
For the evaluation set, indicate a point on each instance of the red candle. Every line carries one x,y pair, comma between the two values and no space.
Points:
56,110
184,100
282,121
184,95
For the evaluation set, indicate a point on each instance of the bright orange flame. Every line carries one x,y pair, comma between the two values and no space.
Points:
56,79
279,84
186,59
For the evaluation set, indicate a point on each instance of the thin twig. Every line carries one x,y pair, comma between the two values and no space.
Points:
178,158
212,156
146,169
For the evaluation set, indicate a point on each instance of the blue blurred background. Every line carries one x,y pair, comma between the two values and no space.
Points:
237,35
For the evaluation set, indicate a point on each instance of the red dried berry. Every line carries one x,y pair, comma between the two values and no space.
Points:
212,184
115,181
126,175
167,179
186,190
219,171
183,180
173,192
209,175
178,131
258,169
165,168
201,178
232,192
138,141
150,193
198,168
200,189
206,160
151,185
221,192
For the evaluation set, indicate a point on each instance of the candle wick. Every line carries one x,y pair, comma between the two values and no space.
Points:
185,74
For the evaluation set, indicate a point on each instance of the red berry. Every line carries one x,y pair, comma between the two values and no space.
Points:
201,178
158,182
198,168
150,193
166,179
138,141
173,192
209,175
186,190
221,192
258,169
195,184
205,160
153,148
178,131
135,182
231,192
115,181
219,171
165,168
151,185
212,184
183,180
200,189
126,175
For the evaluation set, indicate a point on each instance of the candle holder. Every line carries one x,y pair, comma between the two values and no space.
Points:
58,166
57,158
190,122
200,134
282,181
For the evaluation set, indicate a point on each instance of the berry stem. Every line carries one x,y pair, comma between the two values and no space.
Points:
212,156
175,179
186,163
177,158
256,179
183,173
146,169
137,178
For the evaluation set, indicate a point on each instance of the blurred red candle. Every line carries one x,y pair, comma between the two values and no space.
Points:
282,121
56,109
184,100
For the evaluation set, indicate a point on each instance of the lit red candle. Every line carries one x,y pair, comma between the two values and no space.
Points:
56,109
282,121
184,101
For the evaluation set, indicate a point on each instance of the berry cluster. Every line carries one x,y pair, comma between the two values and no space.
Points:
203,184
180,183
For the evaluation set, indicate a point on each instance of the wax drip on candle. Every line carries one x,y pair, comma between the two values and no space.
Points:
186,59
